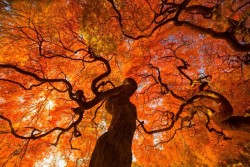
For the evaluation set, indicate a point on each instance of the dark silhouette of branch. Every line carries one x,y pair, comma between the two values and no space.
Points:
223,119
168,8
165,86
21,85
43,80
220,133
94,86
228,35
34,135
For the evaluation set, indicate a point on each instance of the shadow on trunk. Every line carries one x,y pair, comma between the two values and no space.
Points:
113,148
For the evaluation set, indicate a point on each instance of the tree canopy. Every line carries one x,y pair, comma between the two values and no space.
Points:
62,61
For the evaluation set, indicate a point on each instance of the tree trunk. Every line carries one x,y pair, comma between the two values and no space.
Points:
113,148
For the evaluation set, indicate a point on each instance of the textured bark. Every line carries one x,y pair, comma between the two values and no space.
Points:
113,148
224,118
235,123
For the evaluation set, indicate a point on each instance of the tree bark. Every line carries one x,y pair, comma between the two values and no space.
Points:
224,118
238,123
113,148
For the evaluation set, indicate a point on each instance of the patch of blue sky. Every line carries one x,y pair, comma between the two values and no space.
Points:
201,58
155,58
201,70
2,100
133,158
157,139
141,86
129,42
7,7
155,103
186,38
203,50
170,38
103,126
201,36
78,55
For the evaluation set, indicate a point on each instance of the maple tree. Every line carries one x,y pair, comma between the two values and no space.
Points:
86,83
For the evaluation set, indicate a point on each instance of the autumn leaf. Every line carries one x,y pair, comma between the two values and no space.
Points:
87,83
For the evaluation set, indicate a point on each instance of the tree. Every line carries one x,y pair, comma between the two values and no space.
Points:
171,77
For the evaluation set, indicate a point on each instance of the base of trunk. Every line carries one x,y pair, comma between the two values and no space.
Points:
111,151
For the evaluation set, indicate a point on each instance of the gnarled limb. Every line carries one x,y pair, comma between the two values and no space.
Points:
235,123
35,133
170,12
224,118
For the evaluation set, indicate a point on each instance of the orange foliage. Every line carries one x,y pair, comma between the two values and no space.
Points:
51,39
